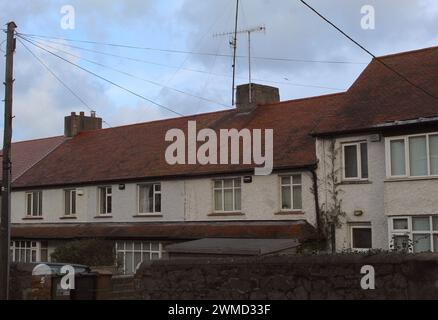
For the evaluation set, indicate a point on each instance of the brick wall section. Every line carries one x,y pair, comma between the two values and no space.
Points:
293,277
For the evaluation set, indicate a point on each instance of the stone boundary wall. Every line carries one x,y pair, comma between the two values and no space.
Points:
397,276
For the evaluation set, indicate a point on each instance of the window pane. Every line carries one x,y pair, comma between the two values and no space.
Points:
398,162
73,201
435,223
129,267
228,200
29,204
102,200
364,160
418,156
35,204
350,161
155,256
435,243
286,202
40,203
228,183
109,204
137,260
158,202
362,238
433,149
150,195
237,199
237,182
421,243
400,224
144,199
285,180
218,200
155,246
157,187
218,184
296,179
401,243
67,202
421,224
297,194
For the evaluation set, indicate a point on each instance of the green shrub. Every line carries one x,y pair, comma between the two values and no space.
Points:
86,252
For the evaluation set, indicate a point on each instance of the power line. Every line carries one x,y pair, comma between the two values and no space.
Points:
104,79
134,76
186,69
369,52
59,79
192,52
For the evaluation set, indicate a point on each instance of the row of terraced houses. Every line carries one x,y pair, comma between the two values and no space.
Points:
364,162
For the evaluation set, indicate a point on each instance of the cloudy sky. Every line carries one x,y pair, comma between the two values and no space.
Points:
292,32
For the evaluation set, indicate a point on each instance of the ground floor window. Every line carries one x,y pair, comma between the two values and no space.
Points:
26,251
414,233
361,237
130,254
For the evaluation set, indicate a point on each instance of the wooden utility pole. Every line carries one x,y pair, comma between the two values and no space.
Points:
5,228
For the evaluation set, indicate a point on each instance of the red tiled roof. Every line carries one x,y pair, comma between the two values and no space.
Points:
379,95
138,151
300,230
27,153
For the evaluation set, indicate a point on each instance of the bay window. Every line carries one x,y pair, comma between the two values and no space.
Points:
414,233
130,254
26,251
413,156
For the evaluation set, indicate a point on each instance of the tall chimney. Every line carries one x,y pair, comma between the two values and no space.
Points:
74,124
260,94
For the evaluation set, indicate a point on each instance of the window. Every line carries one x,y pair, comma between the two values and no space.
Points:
361,238
413,156
355,157
149,198
69,202
227,195
291,192
130,254
415,233
29,251
105,200
34,204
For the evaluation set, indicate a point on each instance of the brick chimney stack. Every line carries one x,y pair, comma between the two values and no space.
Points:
74,124
261,94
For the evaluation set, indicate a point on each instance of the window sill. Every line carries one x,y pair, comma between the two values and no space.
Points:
289,213
33,218
103,216
226,214
152,215
395,179
349,182
68,218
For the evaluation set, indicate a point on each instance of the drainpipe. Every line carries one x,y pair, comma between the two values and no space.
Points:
315,194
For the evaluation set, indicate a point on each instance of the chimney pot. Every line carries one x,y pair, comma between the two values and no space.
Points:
74,125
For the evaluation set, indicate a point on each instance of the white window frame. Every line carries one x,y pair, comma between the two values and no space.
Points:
29,245
291,185
145,249
410,232
70,195
107,195
367,226
223,188
359,161
40,207
155,192
407,155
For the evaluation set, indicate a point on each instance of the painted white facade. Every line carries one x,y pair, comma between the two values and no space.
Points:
182,200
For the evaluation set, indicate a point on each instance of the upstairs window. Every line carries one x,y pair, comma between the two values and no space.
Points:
149,198
227,195
105,200
355,158
291,192
34,204
413,156
69,202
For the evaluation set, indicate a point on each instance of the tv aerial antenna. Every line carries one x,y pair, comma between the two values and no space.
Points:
233,43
